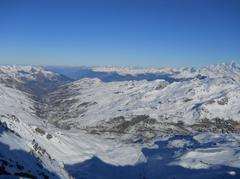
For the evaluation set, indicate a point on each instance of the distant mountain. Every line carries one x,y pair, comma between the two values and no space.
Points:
34,80
109,74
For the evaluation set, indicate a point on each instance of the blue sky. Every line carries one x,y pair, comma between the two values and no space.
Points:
119,32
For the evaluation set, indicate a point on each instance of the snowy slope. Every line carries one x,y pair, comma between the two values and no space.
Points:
68,123
212,94
54,147
215,70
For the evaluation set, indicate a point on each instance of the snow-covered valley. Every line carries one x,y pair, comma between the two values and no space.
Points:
120,122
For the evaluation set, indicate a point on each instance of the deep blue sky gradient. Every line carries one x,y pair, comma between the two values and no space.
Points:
119,32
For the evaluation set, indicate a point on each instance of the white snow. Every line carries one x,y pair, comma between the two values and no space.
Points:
225,152
177,101
178,143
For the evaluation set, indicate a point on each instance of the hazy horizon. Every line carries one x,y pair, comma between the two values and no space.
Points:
117,66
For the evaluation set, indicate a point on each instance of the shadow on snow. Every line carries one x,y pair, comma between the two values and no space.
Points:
15,163
156,166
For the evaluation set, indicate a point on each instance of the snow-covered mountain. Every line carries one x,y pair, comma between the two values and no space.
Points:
107,122
192,99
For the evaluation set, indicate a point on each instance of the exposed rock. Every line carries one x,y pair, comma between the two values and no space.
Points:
187,100
217,125
223,101
49,136
40,131
161,85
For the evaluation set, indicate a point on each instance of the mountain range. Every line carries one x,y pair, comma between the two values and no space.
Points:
120,122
